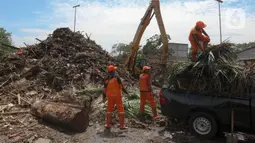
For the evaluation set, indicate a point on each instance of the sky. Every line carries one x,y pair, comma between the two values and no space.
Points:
116,21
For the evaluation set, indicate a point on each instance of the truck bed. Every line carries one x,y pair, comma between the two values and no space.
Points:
181,105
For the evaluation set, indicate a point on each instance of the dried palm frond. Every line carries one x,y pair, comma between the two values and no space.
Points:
215,72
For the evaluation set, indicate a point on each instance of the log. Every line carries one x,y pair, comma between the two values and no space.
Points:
65,116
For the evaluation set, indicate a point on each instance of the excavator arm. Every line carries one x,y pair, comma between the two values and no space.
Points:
153,9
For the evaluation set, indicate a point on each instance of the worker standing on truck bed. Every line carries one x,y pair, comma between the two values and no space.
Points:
197,39
113,88
146,93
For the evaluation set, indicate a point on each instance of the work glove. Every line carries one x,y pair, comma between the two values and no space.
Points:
207,38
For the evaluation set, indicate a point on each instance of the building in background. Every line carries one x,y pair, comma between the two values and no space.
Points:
178,51
247,56
248,53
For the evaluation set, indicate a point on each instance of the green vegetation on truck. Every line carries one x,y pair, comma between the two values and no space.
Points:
216,72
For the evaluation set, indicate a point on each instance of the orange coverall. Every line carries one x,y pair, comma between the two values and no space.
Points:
146,94
114,95
113,90
201,38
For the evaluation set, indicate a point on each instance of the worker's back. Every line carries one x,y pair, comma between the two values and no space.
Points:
143,80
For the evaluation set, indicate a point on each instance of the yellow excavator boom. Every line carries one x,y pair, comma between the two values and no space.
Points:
153,9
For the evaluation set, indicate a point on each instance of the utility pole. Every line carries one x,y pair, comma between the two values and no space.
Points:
220,1
75,15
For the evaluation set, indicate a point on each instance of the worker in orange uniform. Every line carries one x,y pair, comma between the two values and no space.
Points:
197,39
113,89
146,93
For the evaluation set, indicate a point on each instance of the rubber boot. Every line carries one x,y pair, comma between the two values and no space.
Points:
142,106
154,111
122,121
108,120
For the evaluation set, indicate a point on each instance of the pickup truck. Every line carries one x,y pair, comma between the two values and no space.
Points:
205,115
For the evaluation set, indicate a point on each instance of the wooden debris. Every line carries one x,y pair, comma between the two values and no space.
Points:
32,72
21,98
9,121
4,106
68,105
17,112
45,69
73,118
4,83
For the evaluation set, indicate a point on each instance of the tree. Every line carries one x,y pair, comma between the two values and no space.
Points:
120,51
243,46
5,42
153,44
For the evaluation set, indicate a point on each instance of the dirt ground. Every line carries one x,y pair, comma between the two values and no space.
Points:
32,130
96,133
20,127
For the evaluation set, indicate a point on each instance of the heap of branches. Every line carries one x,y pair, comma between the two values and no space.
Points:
64,60
216,72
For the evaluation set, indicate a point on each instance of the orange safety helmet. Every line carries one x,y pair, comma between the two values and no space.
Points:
111,68
201,24
146,68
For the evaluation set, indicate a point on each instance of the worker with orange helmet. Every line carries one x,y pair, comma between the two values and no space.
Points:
113,88
197,39
146,93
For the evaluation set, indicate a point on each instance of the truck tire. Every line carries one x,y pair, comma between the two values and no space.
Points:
203,125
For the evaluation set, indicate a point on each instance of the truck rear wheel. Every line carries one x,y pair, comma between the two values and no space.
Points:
203,125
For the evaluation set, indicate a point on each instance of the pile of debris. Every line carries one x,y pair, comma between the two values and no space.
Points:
216,72
48,80
158,72
65,59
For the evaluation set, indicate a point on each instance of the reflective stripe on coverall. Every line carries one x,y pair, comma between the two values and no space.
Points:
145,92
